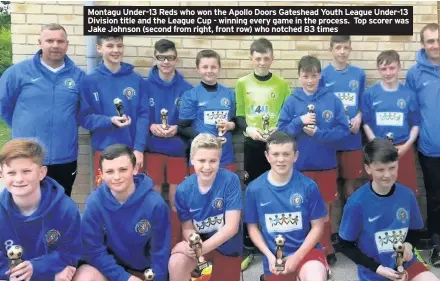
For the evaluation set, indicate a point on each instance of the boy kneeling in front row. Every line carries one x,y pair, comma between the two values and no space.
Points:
126,224
380,222
209,202
291,212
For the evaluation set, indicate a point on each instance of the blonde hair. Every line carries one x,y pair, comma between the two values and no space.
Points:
22,148
207,141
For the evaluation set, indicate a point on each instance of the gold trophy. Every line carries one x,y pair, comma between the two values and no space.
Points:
399,248
196,244
390,137
266,119
149,274
15,253
221,131
279,263
311,109
164,118
119,107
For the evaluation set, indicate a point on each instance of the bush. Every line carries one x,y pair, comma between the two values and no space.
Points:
5,49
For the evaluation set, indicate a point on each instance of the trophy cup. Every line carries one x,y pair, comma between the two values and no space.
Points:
221,131
266,119
119,107
390,137
399,248
149,274
15,253
196,244
279,263
311,109
164,118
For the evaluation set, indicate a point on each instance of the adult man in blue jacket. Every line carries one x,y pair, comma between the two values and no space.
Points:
424,79
39,99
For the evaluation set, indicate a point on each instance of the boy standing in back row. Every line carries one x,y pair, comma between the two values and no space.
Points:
166,150
259,94
114,81
347,82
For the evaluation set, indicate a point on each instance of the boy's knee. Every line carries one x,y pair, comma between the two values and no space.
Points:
179,261
88,273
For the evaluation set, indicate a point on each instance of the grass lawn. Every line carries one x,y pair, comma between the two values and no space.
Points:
5,133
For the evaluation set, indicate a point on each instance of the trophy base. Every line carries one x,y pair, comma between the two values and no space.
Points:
197,272
222,139
400,269
310,126
279,267
165,127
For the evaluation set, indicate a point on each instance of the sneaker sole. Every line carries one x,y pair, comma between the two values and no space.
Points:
246,262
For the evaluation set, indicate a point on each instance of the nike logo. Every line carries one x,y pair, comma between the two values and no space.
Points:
425,83
73,173
376,103
329,84
35,79
264,204
202,103
193,210
373,219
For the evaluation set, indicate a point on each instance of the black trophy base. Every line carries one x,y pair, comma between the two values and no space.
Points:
197,272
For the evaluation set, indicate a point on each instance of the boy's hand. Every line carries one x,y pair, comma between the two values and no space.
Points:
389,273
272,259
120,122
355,124
291,264
171,132
157,130
254,134
402,149
139,158
309,131
22,272
309,119
184,248
225,125
66,274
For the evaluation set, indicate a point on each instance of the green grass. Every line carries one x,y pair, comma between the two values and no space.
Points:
5,133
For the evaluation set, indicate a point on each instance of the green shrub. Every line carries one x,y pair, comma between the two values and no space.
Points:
5,49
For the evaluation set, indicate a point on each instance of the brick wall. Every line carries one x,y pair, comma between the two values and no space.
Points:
27,18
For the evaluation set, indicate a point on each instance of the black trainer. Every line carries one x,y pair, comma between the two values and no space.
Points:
435,256
331,259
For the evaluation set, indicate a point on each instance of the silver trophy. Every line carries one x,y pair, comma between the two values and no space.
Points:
15,254
119,107
164,118
310,109
196,244
279,263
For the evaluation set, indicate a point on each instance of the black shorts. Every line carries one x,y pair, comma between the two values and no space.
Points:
255,162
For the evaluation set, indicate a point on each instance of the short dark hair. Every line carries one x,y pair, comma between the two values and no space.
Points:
280,137
339,39
102,38
53,26
207,54
380,151
429,26
115,151
164,45
309,64
261,45
387,57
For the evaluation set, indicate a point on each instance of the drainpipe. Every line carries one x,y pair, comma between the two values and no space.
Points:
92,60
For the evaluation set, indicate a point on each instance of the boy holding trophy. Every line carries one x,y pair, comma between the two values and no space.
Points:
209,204
126,224
114,103
290,210
209,108
381,221
40,229
165,158
259,97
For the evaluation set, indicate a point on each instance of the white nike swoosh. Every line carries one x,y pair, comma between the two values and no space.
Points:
264,204
73,173
202,103
329,84
426,83
193,210
373,219
375,103
35,79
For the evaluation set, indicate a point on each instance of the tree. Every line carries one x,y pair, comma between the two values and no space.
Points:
5,36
